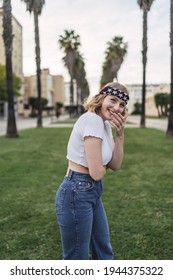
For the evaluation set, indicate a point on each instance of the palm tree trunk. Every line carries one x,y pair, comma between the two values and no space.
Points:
71,97
38,62
11,120
169,132
144,62
8,38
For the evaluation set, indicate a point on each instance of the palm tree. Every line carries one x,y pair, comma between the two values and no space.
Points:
36,6
145,6
169,132
8,39
81,81
115,54
70,43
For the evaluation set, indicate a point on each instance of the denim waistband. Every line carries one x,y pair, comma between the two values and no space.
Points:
80,176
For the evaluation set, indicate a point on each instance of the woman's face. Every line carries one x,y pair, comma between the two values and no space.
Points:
111,104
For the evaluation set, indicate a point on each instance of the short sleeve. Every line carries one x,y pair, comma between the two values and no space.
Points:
93,126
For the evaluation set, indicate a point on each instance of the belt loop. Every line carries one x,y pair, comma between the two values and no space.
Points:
70,174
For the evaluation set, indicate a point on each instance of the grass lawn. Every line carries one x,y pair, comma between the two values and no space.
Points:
138,198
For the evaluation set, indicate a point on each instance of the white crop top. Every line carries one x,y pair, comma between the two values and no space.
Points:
89,124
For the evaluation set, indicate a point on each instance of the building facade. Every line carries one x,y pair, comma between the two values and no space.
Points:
67,94
52,89
135,91
151,109
52,86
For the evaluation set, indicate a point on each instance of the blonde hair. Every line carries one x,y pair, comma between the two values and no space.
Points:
94,103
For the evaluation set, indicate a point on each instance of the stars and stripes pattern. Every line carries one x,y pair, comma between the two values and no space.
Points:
116,92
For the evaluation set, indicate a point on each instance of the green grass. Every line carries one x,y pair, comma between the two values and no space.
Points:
69,121
138,198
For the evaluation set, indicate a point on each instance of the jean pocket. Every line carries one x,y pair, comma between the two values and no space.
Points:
83,186
60,200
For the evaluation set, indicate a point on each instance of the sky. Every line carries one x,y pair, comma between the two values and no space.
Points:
97,22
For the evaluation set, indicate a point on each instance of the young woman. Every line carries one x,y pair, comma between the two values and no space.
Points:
91,150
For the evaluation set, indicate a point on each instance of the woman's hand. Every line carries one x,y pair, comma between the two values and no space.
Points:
118,122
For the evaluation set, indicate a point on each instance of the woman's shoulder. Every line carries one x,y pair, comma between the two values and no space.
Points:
90,119
90,116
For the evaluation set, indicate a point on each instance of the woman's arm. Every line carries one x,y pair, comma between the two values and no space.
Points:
94,157
117,122
118,153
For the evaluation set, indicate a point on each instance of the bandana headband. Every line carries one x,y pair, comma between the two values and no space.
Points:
115,92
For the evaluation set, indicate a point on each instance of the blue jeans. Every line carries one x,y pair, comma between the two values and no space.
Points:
82,219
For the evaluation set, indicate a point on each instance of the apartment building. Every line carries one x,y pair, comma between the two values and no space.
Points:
151,109
52,88
58,89
67,94
135,91
17,59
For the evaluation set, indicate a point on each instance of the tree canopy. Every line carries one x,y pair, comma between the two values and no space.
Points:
162,100
3,85
114,57
74,61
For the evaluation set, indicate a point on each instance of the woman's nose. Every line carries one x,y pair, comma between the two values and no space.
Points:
116,107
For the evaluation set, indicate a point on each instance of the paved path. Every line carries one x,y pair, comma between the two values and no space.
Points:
133,121
21,123
160,124
24,123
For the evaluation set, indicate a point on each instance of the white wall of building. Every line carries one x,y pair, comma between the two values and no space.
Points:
49,88
67,94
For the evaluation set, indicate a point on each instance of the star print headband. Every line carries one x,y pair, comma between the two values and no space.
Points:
115,92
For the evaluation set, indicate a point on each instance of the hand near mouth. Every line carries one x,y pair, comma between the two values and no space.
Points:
118,122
